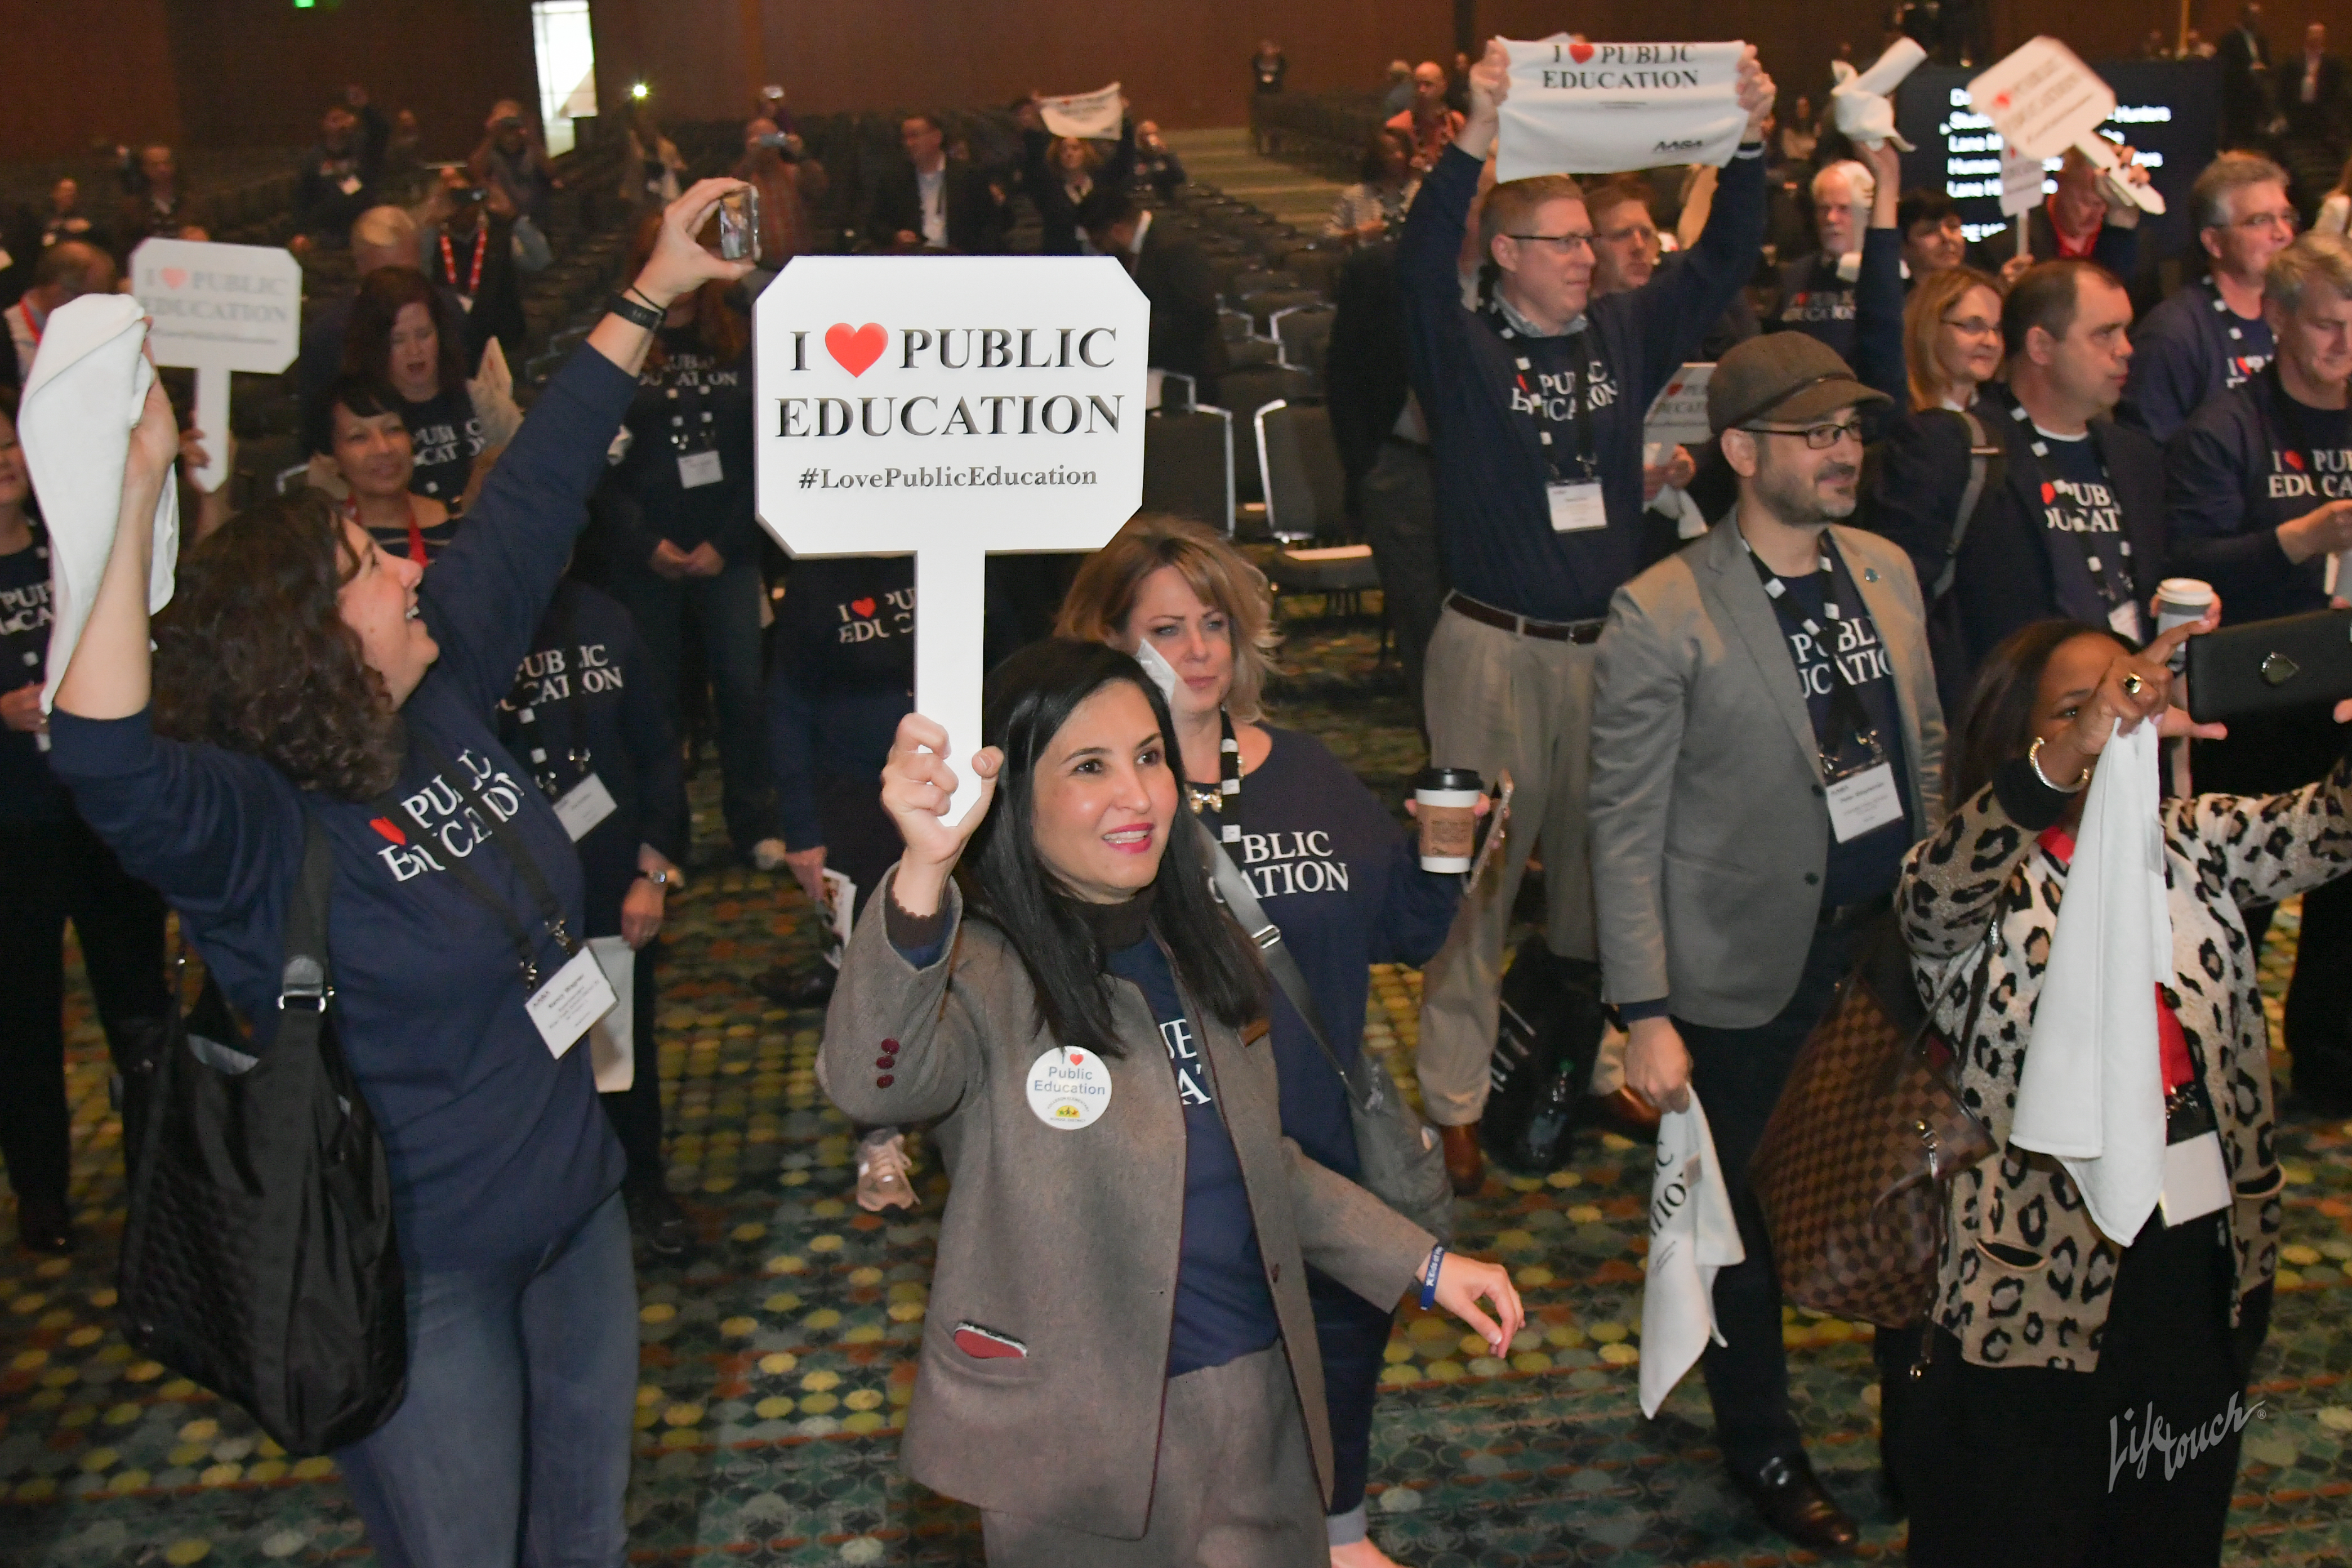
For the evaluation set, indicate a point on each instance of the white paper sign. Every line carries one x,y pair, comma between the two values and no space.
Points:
1693,1236
2042,99
219,308
1678,416
1597,109
949,407
2021,183
1094,116
612,1039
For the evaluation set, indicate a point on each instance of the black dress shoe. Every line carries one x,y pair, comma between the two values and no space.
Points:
793,989
1793,1502
659,1222
44,1226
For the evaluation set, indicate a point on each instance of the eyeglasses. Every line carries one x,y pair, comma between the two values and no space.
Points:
1642,232
1570,242
1819,438
2285,218
1974,327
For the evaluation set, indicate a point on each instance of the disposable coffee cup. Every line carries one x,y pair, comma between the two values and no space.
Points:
1446,801
2180,602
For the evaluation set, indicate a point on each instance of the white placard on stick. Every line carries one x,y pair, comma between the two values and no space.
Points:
2042,99
950,407
1678,416
1092,116
1597,109
218,309
2020,183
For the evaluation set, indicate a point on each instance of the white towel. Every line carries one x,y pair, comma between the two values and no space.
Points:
81,404
1692,1236
1864,102
2092,1091
1598,108
1089,116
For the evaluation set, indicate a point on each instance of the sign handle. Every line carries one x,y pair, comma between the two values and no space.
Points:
2020,231
950,598
212,418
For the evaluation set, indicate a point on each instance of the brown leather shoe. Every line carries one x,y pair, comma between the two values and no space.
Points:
1465,1163
1793,1502
1623,1113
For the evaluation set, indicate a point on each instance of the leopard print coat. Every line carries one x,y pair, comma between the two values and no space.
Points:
2026,1279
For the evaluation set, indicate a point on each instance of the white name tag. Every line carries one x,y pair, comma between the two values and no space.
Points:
583,806
2196,1181
696,469
2125,619
1861,802
1576,507
565,1007
349,184
1069,1087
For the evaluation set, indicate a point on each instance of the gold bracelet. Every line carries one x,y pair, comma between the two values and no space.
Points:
2034,760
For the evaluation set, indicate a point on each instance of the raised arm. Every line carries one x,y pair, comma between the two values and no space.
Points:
1878,292
107,678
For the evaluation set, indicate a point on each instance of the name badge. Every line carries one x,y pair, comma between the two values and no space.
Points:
2196,1181
349,184
2125,619
1861,802
466,304
1069,1087
583,806
572,1000
1576,506
696,469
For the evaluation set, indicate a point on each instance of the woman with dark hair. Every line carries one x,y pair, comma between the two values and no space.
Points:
376,460
1118,1364
54,869
1061,172
1374,206
399,338
678,526
304,678
1328,867
2056,1356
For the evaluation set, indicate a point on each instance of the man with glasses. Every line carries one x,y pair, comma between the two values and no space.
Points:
1767,744
1535,406
2210,336
2076,526
1849,293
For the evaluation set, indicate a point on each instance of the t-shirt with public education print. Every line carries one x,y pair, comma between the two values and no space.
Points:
2083,529
2246,463
28,791
445,435
1849,649
1225,1310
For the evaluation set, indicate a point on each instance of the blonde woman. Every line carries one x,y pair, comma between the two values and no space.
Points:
1951,338
1324,858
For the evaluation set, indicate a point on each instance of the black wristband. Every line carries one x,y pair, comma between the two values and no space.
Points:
630,310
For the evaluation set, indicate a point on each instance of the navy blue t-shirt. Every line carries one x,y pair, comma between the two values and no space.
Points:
1863,866
445,435
2082,530
2246,462
2188,350
28,791
844,677
1225,1310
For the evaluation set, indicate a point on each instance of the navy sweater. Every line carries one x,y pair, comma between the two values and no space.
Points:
594,709
2187,350
2245,463
1345,884
1498,539
844,677
497,1148
1862,320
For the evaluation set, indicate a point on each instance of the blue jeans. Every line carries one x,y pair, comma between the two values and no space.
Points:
512,1443
726,610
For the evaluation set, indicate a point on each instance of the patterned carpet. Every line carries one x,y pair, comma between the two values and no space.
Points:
776,1370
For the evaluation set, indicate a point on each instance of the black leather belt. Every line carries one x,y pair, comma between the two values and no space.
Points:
1526,626
1846,917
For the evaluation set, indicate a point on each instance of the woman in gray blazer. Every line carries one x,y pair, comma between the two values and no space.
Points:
1119,1365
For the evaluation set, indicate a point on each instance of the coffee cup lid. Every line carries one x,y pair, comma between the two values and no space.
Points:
2184,591
1447,778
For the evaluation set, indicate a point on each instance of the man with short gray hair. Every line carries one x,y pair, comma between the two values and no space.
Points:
2259,489
2211,336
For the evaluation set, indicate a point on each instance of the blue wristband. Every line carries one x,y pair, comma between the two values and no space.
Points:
1429,1278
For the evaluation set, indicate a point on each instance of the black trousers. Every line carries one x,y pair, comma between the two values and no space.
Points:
2031,1468
56,871
1738,1073
2265,755
861,842
1354,1337
636,1112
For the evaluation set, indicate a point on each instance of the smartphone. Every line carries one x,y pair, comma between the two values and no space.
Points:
738,225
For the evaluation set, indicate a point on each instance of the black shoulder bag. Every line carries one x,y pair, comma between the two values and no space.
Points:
258,1258
1983,453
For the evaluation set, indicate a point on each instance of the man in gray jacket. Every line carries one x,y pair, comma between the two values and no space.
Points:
1767,744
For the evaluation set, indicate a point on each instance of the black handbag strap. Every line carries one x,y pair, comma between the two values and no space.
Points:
1982,451
1234,890
306,983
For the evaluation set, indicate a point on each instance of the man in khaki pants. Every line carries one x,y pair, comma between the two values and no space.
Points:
1535,406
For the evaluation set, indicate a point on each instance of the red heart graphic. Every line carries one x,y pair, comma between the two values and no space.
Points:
2293,461
1673,387
2002,102
383,825
863,606
1077,1059
1580,53
856,348
175,277
2049,493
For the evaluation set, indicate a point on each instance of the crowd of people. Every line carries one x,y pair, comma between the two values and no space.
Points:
1840,676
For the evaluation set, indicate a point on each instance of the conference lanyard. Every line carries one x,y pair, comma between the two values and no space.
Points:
1223,798
506,837
1847,716
539,749
1578,413
449,261
415,533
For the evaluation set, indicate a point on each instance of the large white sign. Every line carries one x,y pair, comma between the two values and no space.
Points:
1090,115
219,308
1679,416
2042,99
1596,109
950,407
